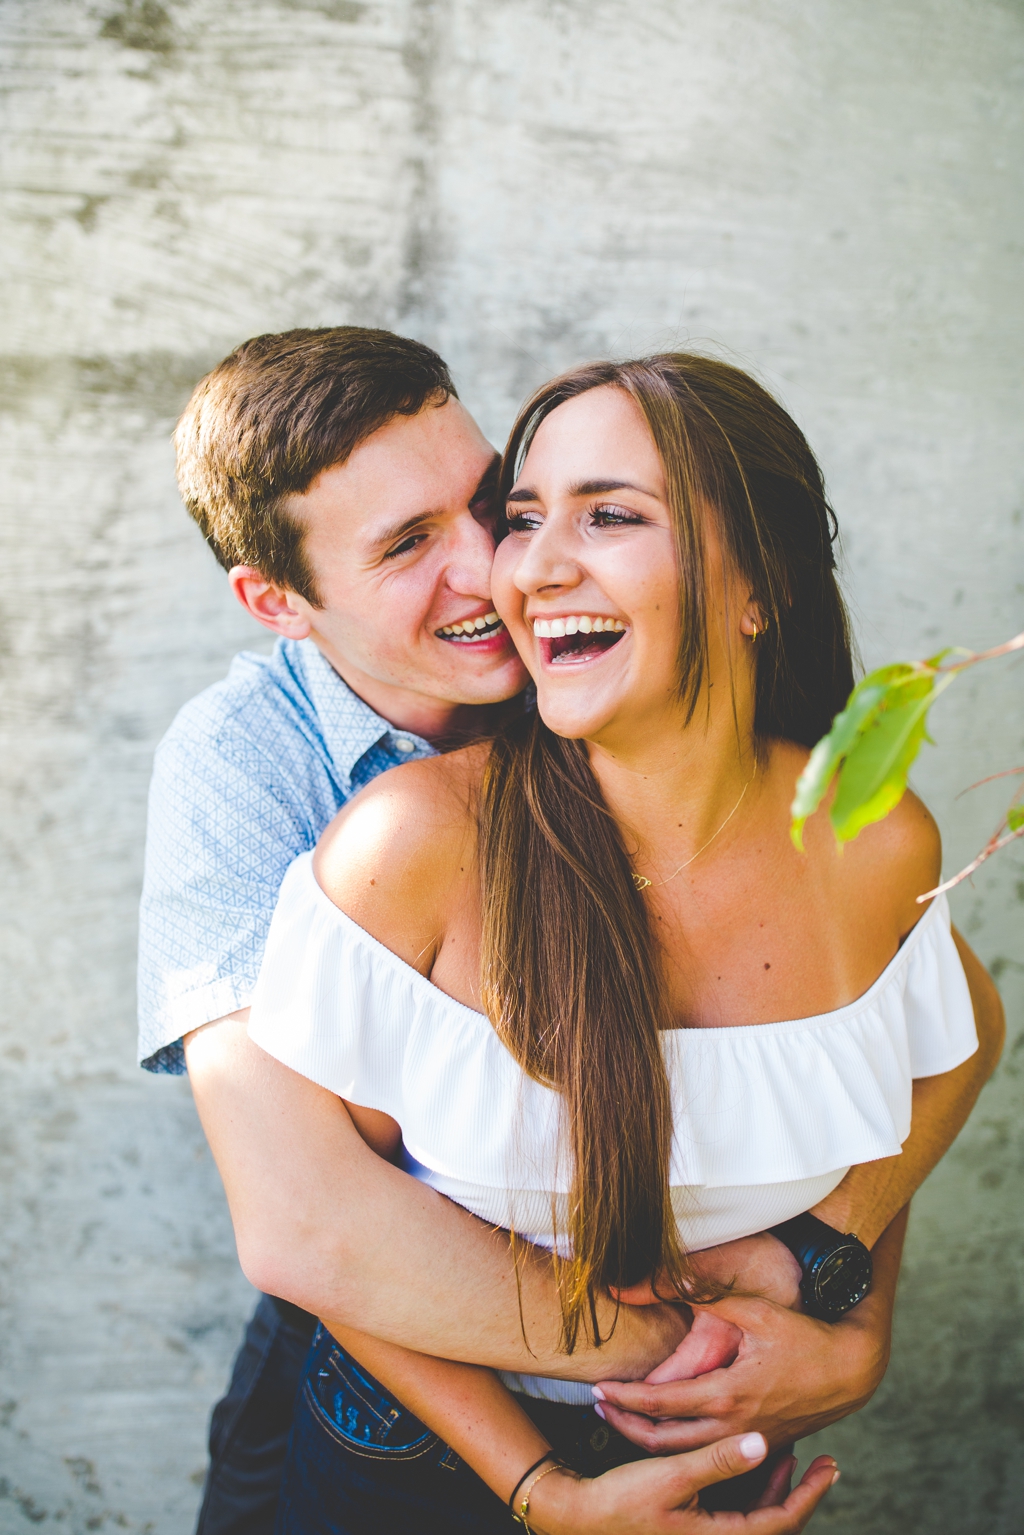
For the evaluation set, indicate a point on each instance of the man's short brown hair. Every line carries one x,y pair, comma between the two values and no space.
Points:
276,412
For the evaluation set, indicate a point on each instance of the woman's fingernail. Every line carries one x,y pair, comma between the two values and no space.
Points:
597,1393
835,1477
599,1409
753,1446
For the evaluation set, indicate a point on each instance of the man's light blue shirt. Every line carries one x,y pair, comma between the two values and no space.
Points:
246,779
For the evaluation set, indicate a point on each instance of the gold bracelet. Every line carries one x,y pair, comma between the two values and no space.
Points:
524,1496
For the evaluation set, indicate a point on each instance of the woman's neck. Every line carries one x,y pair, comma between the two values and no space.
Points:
671,786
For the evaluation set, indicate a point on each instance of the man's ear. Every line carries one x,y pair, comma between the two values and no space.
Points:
272,606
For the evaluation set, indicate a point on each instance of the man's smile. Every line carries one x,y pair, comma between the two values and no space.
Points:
473,631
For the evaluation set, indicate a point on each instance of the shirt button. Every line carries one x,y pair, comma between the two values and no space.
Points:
402,744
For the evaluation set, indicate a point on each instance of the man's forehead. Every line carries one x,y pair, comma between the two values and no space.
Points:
411,468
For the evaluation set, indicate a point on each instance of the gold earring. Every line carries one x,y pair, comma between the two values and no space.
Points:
753,637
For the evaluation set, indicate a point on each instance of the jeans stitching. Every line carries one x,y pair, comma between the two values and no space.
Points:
337,1360
364,1451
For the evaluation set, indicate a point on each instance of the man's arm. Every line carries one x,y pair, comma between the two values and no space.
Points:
322,1221
869,1196
839,1365
319,1219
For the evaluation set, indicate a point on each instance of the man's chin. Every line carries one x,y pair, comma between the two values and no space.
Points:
492,685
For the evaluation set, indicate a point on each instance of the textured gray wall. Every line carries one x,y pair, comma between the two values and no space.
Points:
829,192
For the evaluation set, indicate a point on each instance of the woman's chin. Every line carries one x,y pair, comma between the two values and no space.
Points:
583,723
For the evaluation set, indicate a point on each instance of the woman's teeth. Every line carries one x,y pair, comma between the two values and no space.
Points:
473,629
558,628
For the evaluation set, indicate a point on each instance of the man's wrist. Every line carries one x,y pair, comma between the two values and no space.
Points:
865,1334
842,1212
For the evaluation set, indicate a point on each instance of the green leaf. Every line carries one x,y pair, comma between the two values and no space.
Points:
824,761
1015,817
873,779
871,747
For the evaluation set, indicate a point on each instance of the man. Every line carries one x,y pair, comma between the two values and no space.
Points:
405,654
347,492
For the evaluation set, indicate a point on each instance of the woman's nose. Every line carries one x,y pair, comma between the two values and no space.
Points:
547,562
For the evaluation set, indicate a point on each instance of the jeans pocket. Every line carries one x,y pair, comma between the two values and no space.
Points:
355,1410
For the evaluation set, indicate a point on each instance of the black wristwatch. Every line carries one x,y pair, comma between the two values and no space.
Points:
836,1268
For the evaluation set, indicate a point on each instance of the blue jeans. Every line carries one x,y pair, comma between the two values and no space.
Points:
359,1463
250,1425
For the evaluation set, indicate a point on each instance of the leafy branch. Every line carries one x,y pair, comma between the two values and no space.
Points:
873,743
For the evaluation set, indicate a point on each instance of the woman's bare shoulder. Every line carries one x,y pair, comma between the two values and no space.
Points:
905,851
393,856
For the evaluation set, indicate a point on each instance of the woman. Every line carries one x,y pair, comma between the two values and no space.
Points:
691,1031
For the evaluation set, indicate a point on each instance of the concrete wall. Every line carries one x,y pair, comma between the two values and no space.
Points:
830,193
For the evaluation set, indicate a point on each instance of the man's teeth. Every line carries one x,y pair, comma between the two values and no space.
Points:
558,628
470,628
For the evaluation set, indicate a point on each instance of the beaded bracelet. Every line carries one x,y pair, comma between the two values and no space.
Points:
530,1480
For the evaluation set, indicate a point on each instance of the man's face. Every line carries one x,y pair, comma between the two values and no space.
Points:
400,540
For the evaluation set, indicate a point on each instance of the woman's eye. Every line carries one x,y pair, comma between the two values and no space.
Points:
522,522
613,517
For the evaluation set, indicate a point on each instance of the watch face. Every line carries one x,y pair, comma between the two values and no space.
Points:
843,1278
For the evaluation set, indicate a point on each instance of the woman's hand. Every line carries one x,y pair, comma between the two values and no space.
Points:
659,1497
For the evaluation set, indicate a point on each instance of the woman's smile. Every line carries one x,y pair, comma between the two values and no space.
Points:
577,638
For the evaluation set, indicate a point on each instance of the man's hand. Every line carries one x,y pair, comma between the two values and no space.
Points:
758,1265
792,1376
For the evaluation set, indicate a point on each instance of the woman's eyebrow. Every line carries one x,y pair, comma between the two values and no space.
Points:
585,488
602,487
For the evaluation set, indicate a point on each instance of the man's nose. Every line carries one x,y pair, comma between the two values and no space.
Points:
470,558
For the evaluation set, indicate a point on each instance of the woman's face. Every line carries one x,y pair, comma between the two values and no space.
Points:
586,580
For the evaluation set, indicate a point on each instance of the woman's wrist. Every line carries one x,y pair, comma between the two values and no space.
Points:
556,1504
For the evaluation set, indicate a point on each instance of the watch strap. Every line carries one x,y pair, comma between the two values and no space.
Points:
812,1242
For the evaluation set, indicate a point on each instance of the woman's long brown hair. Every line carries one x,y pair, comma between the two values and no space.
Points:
572,974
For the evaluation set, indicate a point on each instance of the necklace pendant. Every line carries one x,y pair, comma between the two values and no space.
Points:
641,881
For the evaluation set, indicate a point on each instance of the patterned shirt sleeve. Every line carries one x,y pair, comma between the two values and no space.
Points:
224,825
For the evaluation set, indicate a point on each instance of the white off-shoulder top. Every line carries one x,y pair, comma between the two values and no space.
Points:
768,1117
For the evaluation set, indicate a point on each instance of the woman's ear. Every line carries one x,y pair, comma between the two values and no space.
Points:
752,619
272,606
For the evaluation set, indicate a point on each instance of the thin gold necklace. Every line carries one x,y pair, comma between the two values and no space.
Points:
642,882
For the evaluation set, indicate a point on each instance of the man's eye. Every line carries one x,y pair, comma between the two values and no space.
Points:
405,546
522,522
